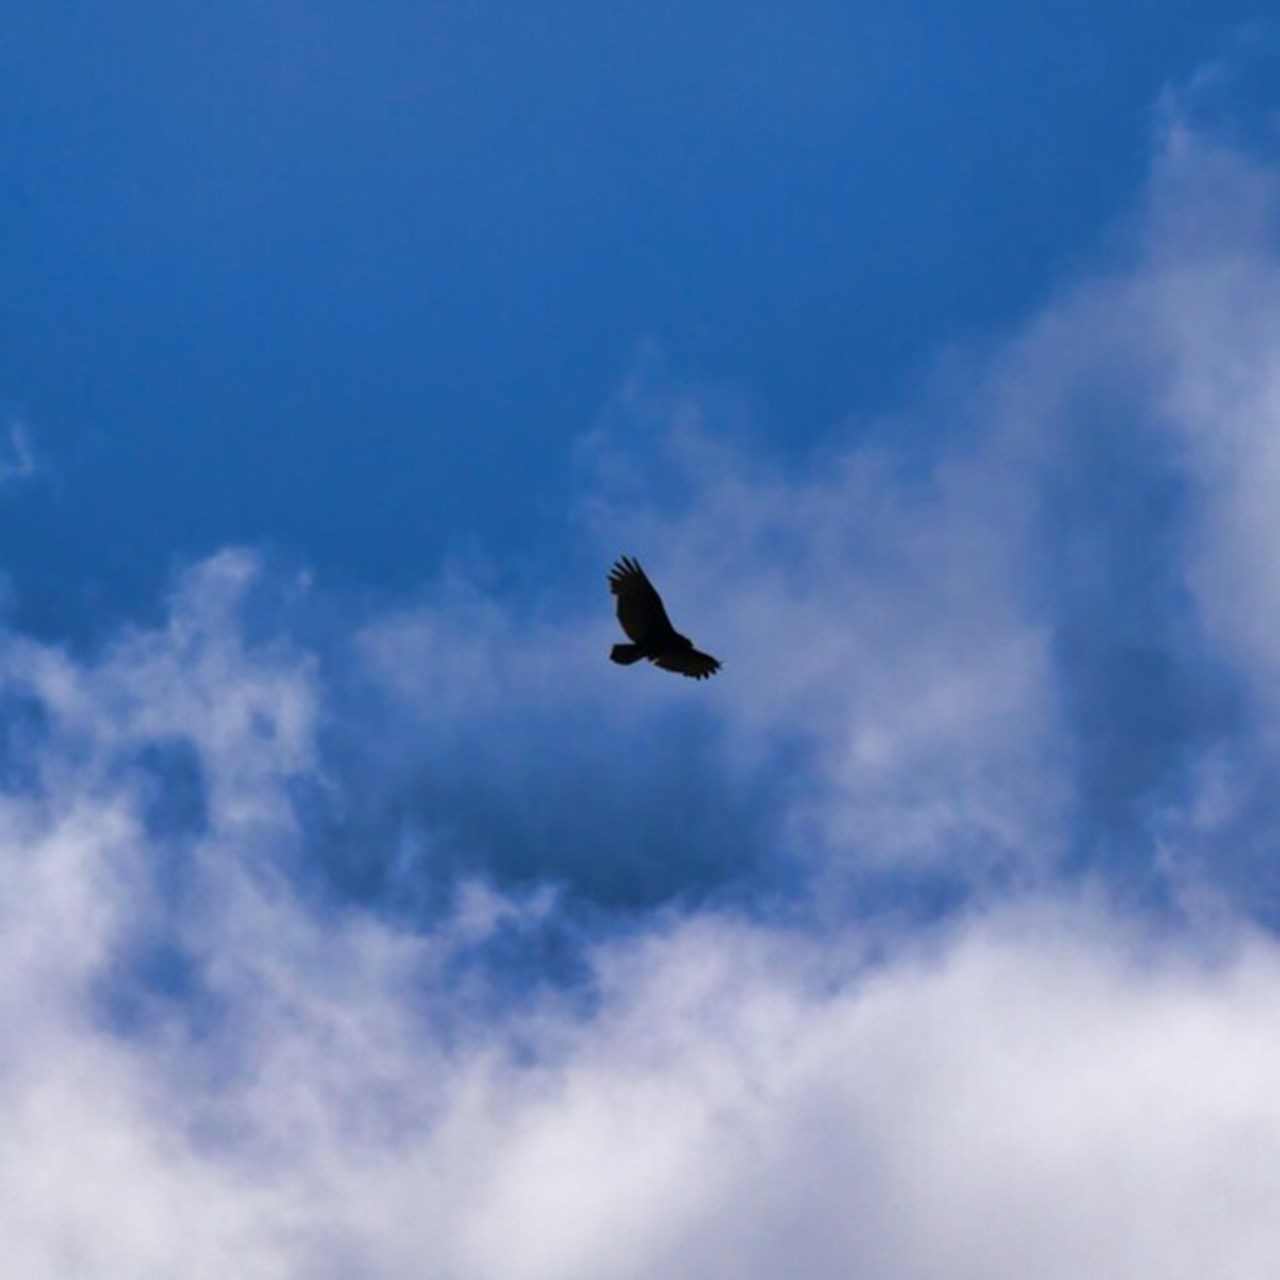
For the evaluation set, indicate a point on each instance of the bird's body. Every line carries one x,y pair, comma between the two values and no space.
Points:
644,619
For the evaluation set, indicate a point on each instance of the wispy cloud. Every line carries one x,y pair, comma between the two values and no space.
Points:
17,462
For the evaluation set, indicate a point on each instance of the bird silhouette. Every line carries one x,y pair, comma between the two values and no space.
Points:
643,618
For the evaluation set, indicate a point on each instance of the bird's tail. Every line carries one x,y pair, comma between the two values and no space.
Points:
626,654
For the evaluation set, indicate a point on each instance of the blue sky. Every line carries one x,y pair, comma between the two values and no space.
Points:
360,919
352,284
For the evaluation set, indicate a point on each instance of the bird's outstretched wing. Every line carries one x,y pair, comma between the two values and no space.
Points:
689,662
640,610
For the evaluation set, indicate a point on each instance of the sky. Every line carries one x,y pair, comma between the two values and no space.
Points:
360,919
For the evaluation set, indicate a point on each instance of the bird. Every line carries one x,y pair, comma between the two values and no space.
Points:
649,629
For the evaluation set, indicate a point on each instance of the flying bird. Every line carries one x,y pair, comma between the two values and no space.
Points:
646,623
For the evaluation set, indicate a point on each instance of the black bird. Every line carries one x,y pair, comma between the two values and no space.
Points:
646,623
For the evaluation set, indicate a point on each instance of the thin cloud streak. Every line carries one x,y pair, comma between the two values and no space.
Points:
20,462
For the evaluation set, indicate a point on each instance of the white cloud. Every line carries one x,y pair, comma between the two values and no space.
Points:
1049,1089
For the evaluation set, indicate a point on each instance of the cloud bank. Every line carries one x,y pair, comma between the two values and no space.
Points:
934,938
